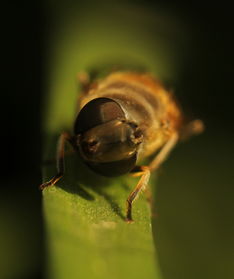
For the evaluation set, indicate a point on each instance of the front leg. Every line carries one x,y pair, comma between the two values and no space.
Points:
59,160
145,171
141,185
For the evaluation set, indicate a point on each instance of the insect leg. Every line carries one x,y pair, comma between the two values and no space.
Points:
194,127
59,160
52,161
145,175
87,80
137,171
84,81
145,172
164,152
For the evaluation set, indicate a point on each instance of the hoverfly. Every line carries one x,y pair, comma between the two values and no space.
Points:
123,118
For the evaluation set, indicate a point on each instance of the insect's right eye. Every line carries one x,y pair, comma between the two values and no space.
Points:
97,112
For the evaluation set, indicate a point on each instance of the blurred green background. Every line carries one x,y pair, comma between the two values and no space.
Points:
189,47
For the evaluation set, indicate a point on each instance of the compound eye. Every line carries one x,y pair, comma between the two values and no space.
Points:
97,112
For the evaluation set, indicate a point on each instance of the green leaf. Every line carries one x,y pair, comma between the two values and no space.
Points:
87,235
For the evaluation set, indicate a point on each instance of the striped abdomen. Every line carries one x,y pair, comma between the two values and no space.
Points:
145,101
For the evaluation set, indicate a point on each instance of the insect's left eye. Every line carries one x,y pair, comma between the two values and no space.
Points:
97,112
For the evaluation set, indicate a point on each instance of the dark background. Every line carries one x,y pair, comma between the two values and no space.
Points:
25,25
22,40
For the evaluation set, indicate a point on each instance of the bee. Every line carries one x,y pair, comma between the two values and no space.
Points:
123,118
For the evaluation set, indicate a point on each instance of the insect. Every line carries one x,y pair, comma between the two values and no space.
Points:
123,118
